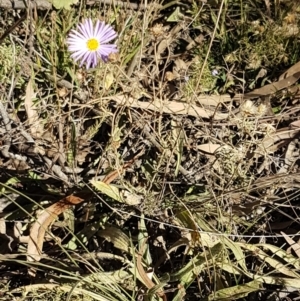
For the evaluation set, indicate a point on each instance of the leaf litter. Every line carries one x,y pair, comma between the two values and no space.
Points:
166,182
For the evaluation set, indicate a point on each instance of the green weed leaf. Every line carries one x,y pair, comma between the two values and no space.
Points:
66,4
109,190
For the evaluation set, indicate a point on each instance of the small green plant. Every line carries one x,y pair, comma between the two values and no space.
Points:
208,80
8,54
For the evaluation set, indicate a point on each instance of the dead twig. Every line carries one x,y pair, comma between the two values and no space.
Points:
56,169
7,140
11,28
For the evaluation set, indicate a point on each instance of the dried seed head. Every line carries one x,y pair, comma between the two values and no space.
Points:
113,57
254,61
157,30
261,110
248,108
267,128
169,76
290,30
291,18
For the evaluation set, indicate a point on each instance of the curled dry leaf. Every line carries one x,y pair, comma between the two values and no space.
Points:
108,80
290,157
41,225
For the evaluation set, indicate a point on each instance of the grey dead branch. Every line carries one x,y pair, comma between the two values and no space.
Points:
19,4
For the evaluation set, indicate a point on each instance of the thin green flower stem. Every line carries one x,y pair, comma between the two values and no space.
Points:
210,45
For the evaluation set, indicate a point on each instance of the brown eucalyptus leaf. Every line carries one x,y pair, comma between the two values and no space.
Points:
169,107
273,87
41,225
213,100
295,124
280,135
208,148
292,70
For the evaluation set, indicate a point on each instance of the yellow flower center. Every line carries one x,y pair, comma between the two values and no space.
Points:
92,44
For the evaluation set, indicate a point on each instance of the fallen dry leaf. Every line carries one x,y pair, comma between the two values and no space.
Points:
280,135
292,70
41,225
295,124
208,148
170,107
213,100
273,87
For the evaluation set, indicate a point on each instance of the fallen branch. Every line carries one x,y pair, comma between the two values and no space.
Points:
8,137
19,4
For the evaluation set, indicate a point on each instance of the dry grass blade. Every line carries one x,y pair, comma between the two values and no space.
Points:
36,126
275,264
205,259
144,276
33,288
284,255
237,251
295,246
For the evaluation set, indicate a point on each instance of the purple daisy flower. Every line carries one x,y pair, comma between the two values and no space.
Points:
88,43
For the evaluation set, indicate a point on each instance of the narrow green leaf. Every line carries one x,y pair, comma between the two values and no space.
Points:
237,251
236,292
